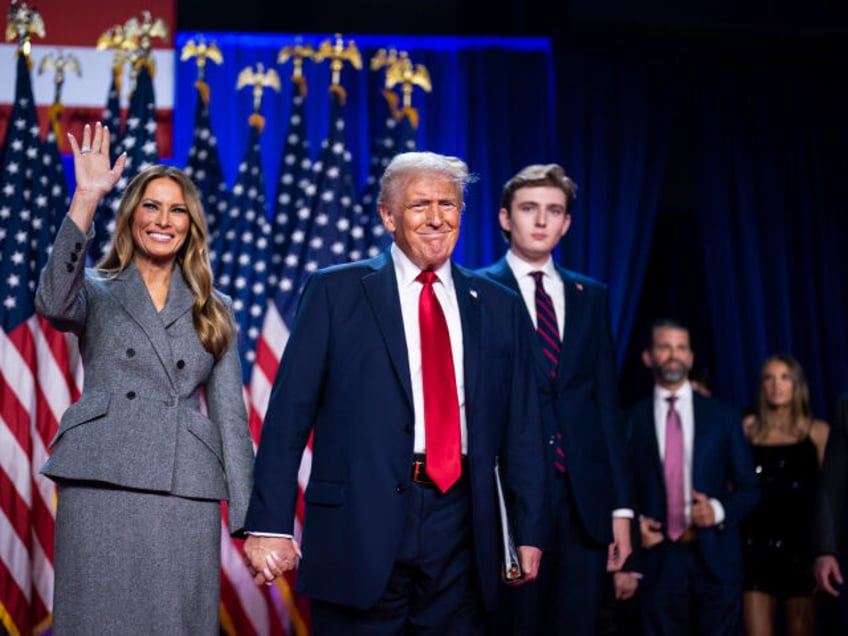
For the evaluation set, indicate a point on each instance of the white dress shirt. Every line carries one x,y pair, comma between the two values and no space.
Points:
409,290
683,406
552,281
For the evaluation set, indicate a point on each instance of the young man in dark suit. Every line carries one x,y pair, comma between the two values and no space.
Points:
575,379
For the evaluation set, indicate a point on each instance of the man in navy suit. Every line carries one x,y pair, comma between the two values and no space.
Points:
694,481
393,542
575,378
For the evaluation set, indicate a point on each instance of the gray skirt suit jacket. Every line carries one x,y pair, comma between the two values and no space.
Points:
139,424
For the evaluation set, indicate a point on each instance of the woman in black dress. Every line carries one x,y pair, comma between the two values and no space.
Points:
787,445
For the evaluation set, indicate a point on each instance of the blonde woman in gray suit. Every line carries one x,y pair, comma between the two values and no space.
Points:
141,466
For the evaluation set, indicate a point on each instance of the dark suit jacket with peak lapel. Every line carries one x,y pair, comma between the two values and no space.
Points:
721,468
138,423
344,378
583,403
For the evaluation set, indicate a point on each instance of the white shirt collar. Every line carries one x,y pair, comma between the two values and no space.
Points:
684,393
407,271
522,268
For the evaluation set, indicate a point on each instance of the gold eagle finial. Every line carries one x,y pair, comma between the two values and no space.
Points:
201,51
60,63
297,52
383,58
123,50
22,22
259,80
142,33
406,74
338,54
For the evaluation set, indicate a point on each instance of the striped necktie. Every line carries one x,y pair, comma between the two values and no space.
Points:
548,332
546,324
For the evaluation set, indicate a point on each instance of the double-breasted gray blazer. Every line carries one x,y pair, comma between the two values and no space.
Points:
139,423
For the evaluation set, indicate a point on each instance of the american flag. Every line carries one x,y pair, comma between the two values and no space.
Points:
397,135
382,151
36,384
295,181
322,234
243,247
104,220
328,229
204,165
139,142
112,112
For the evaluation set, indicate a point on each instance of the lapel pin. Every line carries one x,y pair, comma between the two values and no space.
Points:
579,286
473,293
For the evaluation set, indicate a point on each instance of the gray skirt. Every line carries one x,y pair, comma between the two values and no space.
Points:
134,562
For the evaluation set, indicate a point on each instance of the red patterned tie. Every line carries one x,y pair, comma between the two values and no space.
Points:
548,332
441,404
546,324
673,471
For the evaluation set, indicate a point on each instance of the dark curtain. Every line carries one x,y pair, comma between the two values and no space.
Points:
615,110
771,199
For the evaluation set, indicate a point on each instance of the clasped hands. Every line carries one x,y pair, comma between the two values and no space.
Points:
702,513
269,557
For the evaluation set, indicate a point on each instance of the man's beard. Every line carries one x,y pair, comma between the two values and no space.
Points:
673,372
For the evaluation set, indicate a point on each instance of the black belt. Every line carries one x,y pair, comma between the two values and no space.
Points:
419,471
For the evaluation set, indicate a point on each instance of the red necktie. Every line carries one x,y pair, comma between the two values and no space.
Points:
441,404
673,471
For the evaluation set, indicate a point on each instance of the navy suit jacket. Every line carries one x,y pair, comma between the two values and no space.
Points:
344,378
582,403
721,468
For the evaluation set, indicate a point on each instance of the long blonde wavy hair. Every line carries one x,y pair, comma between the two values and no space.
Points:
801,414
211,316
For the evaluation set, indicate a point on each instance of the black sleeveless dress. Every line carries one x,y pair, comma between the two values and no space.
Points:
777,535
